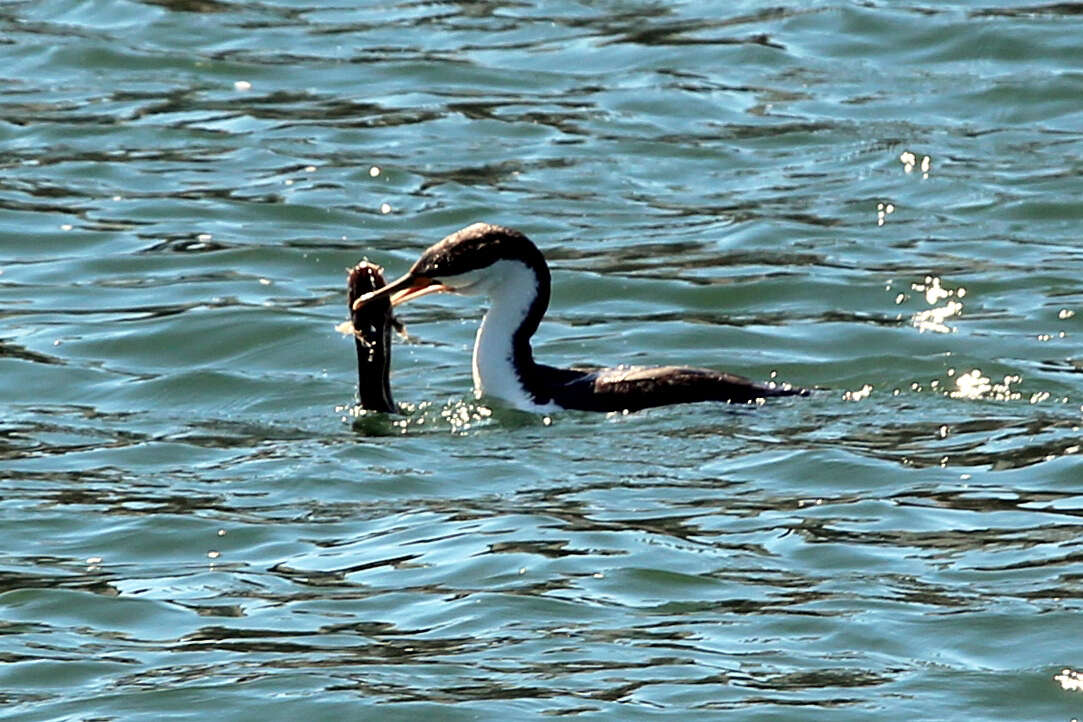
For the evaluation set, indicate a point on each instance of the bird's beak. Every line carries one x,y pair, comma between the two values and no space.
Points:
402,290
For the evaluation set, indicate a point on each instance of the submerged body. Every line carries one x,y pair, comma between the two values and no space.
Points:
372,337
506,266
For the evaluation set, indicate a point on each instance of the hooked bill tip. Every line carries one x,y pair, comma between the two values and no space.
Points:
365,298
405,289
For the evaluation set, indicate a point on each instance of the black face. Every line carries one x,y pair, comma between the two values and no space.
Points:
476,247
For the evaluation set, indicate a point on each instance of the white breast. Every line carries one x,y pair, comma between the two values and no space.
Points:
511,288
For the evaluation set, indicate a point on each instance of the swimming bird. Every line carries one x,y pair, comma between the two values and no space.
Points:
506,266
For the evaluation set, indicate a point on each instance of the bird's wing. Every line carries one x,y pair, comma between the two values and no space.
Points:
640,387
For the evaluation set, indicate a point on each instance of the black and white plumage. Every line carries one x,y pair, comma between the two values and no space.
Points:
505,265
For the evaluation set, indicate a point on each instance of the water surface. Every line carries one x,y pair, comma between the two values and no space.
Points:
876,199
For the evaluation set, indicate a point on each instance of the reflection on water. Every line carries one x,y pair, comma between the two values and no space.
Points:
934,319
973,385
1070,679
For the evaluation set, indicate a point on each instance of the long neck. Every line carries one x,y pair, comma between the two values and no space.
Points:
503,361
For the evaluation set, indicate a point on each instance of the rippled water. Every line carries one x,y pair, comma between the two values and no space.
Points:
882,201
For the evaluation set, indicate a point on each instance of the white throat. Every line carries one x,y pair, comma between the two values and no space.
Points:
511,287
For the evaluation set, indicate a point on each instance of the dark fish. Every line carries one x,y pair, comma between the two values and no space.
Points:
372,338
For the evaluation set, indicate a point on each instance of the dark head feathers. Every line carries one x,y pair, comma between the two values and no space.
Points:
474,247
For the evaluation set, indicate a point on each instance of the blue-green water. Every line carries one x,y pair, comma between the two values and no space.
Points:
881,200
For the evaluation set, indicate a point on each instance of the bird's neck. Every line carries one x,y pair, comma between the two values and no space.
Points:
504,364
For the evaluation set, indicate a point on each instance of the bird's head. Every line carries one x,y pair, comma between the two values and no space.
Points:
473,261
